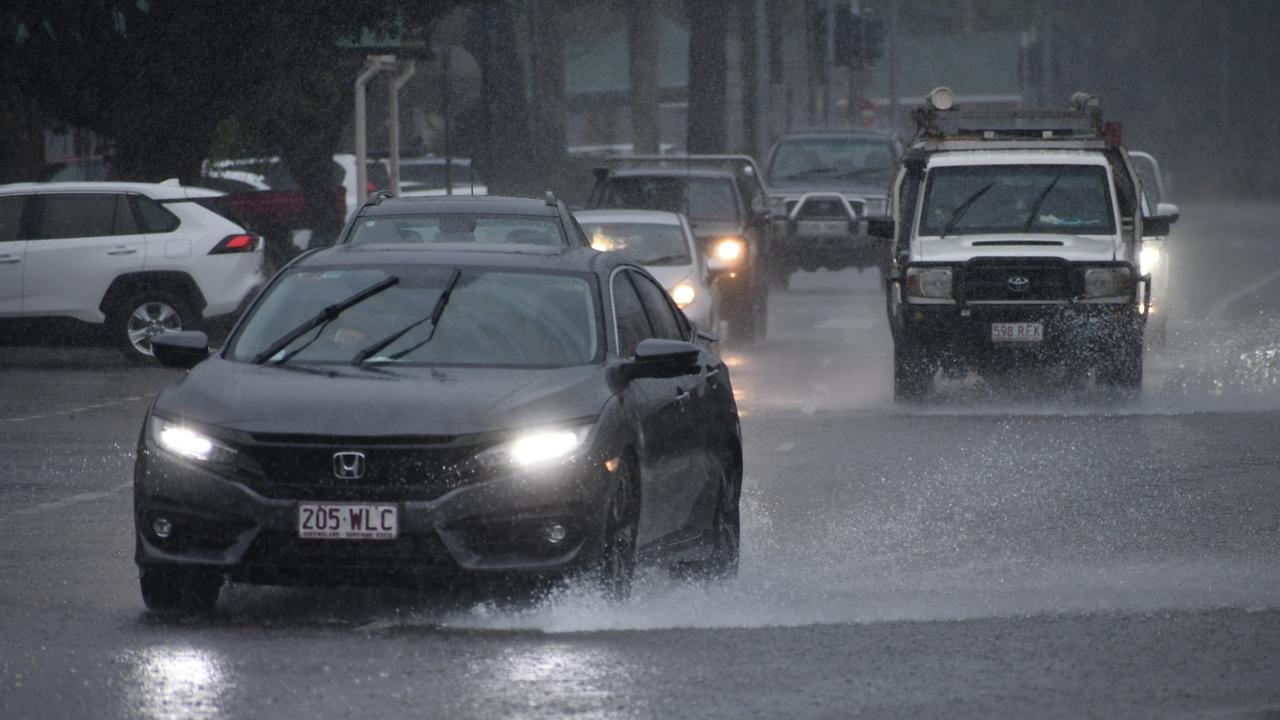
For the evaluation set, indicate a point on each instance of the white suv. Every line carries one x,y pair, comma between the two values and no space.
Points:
134,258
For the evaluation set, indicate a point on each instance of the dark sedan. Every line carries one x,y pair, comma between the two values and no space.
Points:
391,413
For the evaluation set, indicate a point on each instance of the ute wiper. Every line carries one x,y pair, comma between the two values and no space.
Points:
324,316
962,208
1035,209
434,317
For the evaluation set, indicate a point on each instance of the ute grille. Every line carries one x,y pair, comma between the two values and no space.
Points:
989,279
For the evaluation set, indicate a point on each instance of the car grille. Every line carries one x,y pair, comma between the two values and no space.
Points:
302,467
284,548
998,280
824,208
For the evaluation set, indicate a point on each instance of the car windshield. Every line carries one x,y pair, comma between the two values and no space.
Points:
699,198
997,199
494,318
650,244
832,158
459,228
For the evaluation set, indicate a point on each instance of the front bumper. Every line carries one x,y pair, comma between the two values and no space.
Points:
492,525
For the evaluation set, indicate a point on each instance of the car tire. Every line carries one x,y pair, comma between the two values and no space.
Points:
617,561
913,373
133,322
726,526
179,590
1123,369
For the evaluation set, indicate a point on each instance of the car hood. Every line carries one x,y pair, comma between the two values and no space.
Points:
708,229
874,186
960,248
375,401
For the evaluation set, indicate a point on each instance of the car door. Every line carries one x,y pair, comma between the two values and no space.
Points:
675,499
81,242
13,251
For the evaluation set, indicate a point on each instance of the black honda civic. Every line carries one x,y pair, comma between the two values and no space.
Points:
398,414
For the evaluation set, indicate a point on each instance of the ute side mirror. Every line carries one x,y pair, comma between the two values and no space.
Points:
1169,210
181,348
659,357
1157,226
881,226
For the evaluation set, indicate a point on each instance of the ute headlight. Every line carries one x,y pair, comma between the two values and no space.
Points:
185,442
683,293
730,250
1106,282
537,448
1148,258
934,283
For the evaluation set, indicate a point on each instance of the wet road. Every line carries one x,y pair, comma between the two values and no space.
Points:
1024,549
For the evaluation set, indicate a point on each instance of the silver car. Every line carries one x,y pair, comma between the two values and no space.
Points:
665,245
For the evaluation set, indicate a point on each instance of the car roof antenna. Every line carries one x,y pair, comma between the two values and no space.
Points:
550,198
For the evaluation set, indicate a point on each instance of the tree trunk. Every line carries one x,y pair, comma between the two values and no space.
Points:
642,38
708,27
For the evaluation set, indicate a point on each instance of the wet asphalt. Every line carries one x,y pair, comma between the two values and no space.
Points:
1031,547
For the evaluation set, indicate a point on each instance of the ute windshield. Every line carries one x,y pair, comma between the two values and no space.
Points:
493,318
1001,199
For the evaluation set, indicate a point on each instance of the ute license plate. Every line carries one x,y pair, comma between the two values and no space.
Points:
822,228
348,521
1017,332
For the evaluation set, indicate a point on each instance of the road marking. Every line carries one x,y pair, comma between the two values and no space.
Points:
69,501
785,447
72,411
1219,308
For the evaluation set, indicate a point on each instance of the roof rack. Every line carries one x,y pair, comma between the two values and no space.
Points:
941,120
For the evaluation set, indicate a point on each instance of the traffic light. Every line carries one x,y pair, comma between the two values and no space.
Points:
859,39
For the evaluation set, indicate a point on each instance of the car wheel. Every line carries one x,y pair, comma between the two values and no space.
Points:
180,590
145,315
1123,370
913,373
617,563
726,526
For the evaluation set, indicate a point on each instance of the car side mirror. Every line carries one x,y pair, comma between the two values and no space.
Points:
181,348
659,357
881,226
1169,210
762,216
1157,226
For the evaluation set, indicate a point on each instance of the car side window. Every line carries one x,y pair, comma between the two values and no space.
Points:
661,313
83,215
153,217
629,316
11,207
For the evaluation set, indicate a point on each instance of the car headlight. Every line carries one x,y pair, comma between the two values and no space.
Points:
185,442
683,293
1107,282
730,249
537,448
1149,258
932,283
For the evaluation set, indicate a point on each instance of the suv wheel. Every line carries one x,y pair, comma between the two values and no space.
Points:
180,590
141,317
913,372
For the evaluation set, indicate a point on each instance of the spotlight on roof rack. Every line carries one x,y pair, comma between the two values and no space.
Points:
941,98
1083,101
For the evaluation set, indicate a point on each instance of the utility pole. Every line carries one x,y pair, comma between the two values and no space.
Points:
642,41
895,102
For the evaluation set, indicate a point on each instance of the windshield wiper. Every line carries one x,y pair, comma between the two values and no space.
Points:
962,208
1035,209
324,316
434,317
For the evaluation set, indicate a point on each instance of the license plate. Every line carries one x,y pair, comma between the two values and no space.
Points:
348,521
822,228
1017,332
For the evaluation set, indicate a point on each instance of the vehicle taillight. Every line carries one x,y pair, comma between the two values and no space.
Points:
242,243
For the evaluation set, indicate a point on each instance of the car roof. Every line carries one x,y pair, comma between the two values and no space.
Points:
651,217
156,191
516,257
670,171
837,132
462,204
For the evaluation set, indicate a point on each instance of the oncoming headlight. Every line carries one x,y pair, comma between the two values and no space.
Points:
683,294
1107,282
1149,258
729,250
537,448
933,283
187,443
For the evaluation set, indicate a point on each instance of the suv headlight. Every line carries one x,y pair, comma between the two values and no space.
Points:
683,293
537,448
187,443
1107,282
933,283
